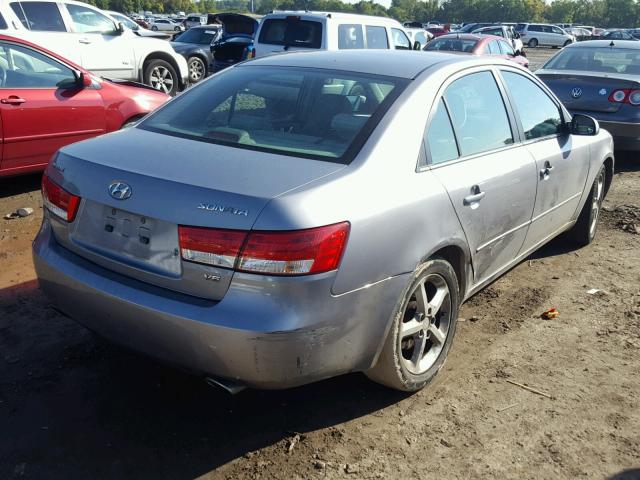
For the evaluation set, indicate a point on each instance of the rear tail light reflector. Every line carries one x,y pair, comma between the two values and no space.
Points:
211,246
625,95
58,201
299,252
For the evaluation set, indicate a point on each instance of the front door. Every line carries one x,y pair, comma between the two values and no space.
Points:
489,178
105,51
562,159
42,109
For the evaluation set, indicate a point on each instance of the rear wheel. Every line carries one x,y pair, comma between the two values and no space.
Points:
154,28
160,75
177,29
197,69
533,43
584,231
423,328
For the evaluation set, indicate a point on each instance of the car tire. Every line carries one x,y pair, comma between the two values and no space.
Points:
154,28
584,230
197,69
177,29
533,43
400,366
160,75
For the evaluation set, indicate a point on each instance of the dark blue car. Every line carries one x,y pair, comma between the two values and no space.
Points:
600,78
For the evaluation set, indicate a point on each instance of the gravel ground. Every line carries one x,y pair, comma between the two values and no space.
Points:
72,406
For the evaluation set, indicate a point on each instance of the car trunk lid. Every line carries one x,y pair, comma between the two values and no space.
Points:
171,181
581,91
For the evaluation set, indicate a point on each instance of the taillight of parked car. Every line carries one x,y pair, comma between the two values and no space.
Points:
58,201
299,252
625,95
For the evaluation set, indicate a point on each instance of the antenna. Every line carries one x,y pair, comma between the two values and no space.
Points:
612,44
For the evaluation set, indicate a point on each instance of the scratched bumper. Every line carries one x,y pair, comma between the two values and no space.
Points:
266,332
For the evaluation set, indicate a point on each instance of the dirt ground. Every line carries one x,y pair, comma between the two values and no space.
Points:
73,406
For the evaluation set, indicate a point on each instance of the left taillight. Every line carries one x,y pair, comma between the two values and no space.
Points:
58,201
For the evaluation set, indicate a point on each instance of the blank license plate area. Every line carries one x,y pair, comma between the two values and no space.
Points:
136,240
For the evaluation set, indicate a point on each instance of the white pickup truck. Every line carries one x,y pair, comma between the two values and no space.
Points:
88,37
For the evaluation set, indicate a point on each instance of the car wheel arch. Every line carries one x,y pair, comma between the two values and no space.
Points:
202,57
456,252
161,56
609,170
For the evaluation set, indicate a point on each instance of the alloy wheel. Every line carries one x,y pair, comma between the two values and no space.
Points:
596,202
161,79
196,70
425,325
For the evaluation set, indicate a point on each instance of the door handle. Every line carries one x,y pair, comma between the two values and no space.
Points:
546,171
13,100
475,197
86,41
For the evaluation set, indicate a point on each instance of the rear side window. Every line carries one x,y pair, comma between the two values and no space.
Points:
506,49
291,32
441,140
539,115
350,37
376,38
474,102
300,112
39,16
3,24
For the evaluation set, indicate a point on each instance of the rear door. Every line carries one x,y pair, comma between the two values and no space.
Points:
562,159
103,49
489,176
41,108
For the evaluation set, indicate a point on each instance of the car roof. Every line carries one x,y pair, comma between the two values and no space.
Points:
354,17
393,63
627,44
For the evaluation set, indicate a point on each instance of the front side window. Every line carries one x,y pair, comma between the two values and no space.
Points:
26,68
308,113
376,38
494,48
478,113
441,140
291,32
350,37
39,16
539,115
400,39
86,20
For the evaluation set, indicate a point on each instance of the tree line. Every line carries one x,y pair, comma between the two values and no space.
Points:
602,13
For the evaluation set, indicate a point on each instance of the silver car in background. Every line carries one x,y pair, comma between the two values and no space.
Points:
544,35
306,215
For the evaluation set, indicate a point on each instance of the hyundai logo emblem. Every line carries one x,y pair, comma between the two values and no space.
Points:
576,92
119,190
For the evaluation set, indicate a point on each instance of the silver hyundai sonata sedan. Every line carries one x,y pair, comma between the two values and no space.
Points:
306,215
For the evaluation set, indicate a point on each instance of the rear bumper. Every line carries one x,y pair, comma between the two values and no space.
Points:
626,136
266,332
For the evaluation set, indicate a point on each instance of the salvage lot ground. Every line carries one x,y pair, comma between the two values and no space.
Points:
72,406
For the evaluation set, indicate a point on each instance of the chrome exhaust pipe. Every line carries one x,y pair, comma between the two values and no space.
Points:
230,387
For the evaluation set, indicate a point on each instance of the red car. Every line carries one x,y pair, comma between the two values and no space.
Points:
47,102
476,45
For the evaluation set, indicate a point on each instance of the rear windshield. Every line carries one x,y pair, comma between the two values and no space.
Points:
308,113
592,59
452,45
201,36
292,32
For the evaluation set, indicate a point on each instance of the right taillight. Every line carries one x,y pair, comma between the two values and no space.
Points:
298,252
58,201
625,95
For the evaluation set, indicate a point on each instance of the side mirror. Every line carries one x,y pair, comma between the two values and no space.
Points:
82,80
584,125
417,45
120,28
